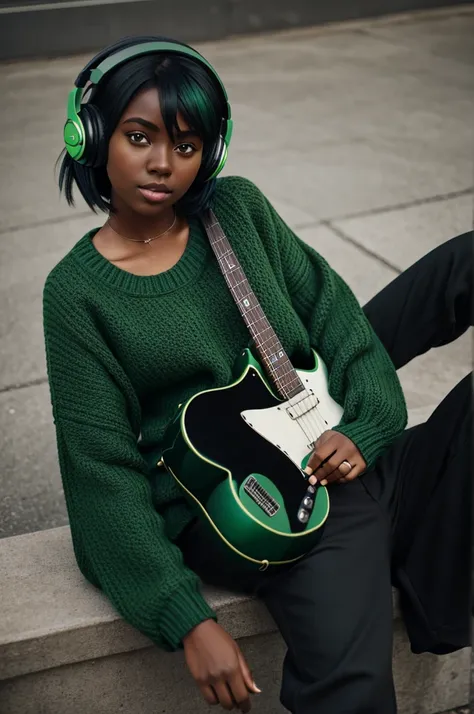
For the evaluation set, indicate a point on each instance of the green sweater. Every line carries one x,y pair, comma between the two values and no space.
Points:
123,351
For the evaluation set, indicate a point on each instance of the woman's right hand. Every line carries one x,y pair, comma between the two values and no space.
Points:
218,666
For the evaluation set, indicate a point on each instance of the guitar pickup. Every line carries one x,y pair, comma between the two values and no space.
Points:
261,496
305,405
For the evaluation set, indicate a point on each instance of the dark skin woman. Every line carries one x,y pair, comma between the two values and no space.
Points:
138,320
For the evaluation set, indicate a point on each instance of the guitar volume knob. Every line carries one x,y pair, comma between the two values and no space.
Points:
303,515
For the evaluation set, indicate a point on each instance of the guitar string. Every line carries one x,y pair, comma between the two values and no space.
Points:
302,420
251,325
266,356
307,421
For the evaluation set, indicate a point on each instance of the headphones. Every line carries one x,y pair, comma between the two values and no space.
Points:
84,133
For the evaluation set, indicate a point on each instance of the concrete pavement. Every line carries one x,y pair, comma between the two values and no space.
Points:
361,136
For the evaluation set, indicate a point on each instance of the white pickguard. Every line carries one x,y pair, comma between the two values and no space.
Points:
293,426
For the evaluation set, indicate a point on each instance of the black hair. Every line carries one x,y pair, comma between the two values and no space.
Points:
184,86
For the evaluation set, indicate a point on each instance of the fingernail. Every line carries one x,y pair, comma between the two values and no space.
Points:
308,470
313,480
258,690
324,482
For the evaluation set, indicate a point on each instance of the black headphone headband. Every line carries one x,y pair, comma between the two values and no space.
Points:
122,44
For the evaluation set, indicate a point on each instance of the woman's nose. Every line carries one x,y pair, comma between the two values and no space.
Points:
159,160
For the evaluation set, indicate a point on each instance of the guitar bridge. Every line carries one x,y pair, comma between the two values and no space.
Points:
261,496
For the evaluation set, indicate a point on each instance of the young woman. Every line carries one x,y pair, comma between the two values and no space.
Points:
138,319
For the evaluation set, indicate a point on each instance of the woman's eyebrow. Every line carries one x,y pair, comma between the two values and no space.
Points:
143,122
179,134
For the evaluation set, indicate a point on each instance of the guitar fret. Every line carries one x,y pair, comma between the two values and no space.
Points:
278,368
240,283
272,353
265,329
258,330
281,370
269,339
249,312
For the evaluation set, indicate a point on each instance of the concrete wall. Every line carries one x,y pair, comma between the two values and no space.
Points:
31,28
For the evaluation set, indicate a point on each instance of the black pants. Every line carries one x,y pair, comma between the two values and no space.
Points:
407,522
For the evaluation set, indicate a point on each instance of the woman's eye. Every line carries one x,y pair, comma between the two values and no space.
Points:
186,149
136,137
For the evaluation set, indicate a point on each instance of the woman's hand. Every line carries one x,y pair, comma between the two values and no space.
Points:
218,666
335,458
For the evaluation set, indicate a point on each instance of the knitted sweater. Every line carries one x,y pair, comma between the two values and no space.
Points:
123,351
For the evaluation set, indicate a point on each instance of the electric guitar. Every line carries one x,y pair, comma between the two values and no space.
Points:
238,452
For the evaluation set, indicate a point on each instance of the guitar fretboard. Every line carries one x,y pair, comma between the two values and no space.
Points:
273,357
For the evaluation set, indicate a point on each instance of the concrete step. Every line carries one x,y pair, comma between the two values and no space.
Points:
64,649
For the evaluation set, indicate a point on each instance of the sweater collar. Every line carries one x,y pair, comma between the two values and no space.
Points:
184,271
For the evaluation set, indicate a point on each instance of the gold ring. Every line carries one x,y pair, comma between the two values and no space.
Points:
347,469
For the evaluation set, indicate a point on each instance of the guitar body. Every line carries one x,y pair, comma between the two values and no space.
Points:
238,453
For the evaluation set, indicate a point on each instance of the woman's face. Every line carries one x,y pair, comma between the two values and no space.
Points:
150,172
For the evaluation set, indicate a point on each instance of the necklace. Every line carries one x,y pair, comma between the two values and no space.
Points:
147,240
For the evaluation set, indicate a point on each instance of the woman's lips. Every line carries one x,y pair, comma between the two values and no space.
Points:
154,196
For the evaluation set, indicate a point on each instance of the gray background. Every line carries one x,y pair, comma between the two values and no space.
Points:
42,28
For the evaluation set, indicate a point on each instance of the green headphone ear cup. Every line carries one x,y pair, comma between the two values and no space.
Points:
74,138
73,128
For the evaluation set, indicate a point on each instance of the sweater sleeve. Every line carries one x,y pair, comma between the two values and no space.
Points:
119,538
362,378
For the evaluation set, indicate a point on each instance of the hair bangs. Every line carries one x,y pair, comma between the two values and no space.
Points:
190,94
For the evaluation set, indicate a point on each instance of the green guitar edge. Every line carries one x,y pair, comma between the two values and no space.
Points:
248,362
263,563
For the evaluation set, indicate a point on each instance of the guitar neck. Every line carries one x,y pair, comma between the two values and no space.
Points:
273,357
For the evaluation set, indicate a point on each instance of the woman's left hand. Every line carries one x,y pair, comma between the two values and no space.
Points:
335,458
